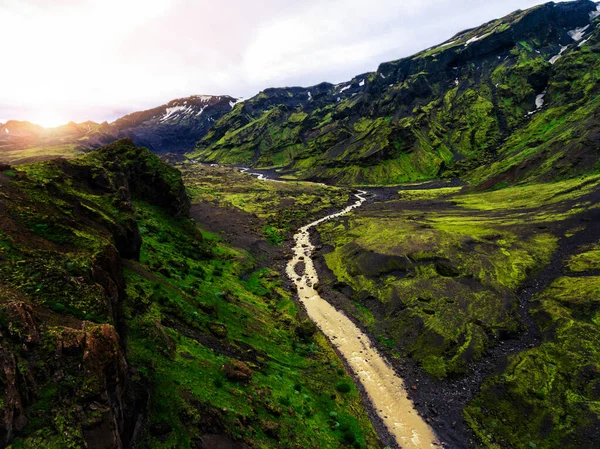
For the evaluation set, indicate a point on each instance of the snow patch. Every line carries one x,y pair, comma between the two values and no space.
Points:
553,59
539,100
237,100
345,88
584,41
456,81
577,33
595,14
6,130
382,75
448,43
362,83
478,38
309,95
170,112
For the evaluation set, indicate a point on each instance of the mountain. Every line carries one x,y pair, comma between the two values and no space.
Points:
499,93
174,127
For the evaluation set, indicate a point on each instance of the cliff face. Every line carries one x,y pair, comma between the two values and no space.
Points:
66,228
464,104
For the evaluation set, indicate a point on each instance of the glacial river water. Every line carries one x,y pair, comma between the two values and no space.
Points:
382,385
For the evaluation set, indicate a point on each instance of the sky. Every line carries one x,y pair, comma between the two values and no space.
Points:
80,60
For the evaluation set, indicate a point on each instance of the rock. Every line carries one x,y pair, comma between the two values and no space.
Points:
22,323
306,329
413,388
14,417
237,371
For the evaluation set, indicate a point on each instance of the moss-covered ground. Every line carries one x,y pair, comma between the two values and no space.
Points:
436,276
282,206
39,153
556,385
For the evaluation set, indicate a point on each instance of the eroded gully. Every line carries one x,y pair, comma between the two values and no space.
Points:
383,387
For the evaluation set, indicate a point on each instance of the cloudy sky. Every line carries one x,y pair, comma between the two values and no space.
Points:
99,59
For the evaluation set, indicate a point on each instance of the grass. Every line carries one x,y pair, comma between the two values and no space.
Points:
293,384
34,154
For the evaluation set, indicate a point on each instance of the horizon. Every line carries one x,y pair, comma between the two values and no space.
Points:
321,50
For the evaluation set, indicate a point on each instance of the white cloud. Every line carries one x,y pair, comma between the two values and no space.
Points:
96,58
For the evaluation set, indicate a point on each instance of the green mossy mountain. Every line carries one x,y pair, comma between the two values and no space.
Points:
470,102
122,324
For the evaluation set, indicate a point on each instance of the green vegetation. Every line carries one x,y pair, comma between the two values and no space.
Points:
435,276
39,153
182,324
446,279
283,206
214,340
555,385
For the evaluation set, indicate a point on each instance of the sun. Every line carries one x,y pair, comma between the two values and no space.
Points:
49,119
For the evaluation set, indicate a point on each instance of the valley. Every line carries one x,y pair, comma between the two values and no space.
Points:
408,259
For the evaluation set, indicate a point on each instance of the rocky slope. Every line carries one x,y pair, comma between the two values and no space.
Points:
495,93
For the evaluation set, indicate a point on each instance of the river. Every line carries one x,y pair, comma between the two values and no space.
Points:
384,388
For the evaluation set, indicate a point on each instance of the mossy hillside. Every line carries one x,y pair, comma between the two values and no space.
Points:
441,286
555,385
52,230
436,276
555,143
439,269
65,227
446,110
586,261
190,305
189,314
